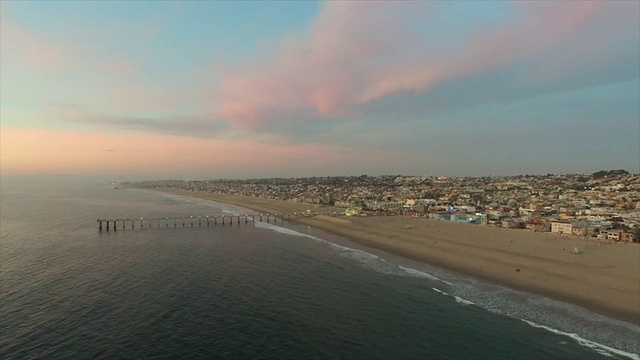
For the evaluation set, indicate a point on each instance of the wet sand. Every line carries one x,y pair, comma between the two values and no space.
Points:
605,278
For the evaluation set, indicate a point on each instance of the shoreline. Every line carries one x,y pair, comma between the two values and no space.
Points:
604,279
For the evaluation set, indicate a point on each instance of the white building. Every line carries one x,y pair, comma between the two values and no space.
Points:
561,227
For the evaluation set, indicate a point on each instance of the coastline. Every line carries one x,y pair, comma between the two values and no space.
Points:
604,279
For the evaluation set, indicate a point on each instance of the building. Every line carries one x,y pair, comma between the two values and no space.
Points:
614,235
389,205
561,227
579,230
630,236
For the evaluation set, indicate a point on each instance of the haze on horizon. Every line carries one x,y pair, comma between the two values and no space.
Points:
285,89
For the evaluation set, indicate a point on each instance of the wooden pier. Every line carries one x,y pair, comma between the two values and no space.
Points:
191,221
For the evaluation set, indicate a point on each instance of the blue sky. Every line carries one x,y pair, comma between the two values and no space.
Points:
260,89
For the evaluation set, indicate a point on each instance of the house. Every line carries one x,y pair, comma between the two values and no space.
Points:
561,227
630,236
609,234
512,224
614,234
420,208
579,230
388,205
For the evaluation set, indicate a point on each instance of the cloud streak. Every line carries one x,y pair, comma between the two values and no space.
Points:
207,127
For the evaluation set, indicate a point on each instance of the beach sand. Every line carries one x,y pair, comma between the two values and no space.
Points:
605,278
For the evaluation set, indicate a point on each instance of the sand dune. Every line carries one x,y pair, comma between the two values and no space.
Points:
604,278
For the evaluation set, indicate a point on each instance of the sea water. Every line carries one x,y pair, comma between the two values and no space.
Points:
250,291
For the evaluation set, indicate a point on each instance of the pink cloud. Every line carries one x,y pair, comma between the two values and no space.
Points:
46,52
25,46
356,53
540,25
322,70
596,46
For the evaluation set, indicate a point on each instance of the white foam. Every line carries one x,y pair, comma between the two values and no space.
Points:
367,259
188,199
459,300
354,253
440,291
463,301
286,231
418,273
599,348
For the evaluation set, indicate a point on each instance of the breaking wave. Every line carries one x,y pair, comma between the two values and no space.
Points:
458,299
599,348
366,259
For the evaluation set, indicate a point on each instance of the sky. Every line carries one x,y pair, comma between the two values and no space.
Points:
197,90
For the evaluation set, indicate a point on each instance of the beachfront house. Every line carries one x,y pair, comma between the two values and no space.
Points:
420,208
579,230
542,227
389,205
614,234
561,227
631,236
342,204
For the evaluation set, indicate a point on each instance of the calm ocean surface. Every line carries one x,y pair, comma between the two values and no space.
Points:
257,291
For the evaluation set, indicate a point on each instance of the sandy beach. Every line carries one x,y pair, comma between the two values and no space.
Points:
605,278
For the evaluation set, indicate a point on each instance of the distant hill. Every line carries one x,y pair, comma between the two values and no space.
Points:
603,173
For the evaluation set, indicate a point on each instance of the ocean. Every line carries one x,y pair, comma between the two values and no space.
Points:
254,291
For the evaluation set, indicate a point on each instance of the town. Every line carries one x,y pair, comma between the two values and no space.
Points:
603,205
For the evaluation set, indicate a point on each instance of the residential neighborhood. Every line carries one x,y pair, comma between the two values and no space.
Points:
603,205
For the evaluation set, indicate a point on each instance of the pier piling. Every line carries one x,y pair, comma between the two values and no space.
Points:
111,225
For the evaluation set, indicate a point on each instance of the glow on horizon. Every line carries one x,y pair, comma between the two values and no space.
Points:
259,89
74,152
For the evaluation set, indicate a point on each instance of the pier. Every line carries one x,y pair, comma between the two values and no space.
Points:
193,221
